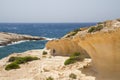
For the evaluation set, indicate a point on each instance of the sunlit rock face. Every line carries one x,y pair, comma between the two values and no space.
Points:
103,47
64,47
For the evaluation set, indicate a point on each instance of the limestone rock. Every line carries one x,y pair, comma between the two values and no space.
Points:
102,45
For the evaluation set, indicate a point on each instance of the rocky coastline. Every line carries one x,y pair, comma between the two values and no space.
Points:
100,42
47,66
9,38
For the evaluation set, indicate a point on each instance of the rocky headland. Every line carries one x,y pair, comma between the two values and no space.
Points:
8,38
101,42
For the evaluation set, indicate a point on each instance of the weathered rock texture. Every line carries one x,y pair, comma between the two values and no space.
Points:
8,38
103,46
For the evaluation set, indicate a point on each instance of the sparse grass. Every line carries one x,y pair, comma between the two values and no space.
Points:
99,27
74,58
74,32
94,29
26,58
22,60
12,66
50,78
11,59
44,53
73,76
75,54
18,60
69,61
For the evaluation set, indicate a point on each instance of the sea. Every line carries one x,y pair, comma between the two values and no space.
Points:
47,30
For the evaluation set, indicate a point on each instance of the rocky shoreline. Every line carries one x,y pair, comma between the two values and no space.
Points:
9,38
46,66
101,42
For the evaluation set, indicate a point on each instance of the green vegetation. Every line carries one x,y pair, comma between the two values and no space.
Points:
44,53
99,27
50,78
18,60
12,66
21,60
11,59
74,32
73,76
75,54
74,58
69,61
94,29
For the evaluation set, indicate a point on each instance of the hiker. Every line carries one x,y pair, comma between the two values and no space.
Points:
54,52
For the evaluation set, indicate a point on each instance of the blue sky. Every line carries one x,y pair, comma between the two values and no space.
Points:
58,10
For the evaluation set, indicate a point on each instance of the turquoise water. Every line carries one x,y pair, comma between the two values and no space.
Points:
48,30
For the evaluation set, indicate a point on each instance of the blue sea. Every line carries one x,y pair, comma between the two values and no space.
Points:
48,30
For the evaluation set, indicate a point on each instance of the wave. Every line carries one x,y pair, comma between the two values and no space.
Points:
49,39
18,42
2,46
13,43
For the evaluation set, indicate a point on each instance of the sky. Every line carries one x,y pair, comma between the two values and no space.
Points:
58,11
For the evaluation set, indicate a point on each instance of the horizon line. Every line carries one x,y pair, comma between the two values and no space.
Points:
44,22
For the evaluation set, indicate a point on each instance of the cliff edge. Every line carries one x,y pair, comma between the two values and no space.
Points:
101,42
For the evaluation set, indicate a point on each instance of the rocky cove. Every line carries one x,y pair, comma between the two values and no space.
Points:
100,42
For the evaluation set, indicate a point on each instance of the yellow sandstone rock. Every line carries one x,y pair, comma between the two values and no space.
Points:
103,47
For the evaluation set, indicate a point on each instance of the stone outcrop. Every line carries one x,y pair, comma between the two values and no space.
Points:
8,38
103,46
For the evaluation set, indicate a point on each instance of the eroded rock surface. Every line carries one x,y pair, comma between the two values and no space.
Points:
102,44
